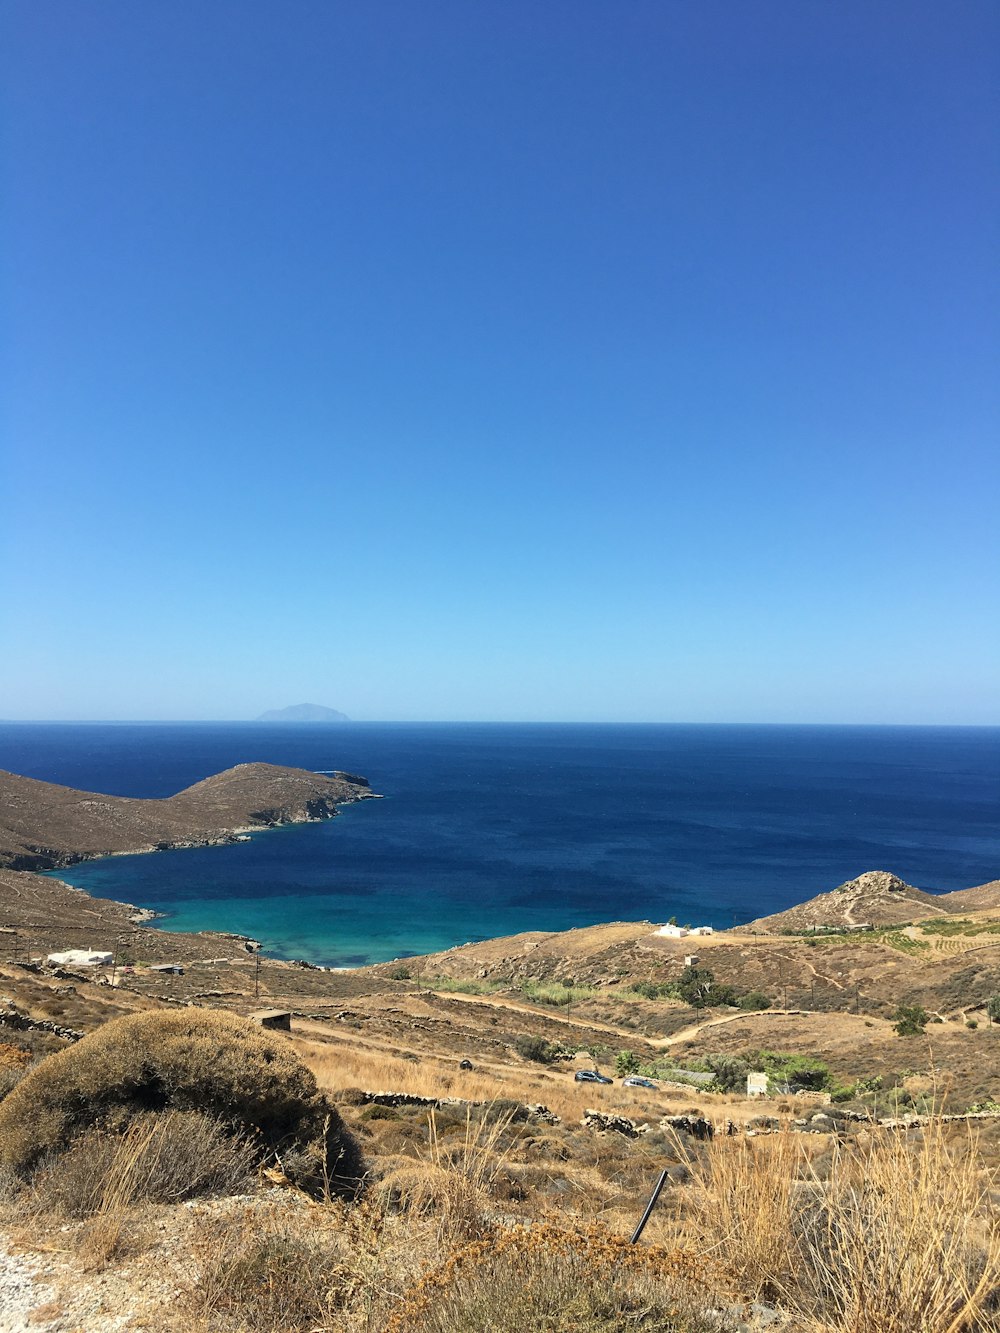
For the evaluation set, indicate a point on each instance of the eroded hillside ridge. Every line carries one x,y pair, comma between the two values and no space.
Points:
875,898
44,826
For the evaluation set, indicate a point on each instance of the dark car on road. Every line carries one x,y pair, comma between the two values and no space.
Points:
591,1076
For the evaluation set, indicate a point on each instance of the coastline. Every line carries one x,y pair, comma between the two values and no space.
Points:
46,829
47,826
496,831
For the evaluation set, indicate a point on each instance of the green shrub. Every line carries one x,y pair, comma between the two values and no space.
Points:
534,1048
798,1072
654,990
753,1000
555,992
730,1072
697,987
626,1062
910,1020
873,1084
195,1060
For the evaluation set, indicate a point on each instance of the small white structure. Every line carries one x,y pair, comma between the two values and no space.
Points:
691,960
80,958
681,932
757,1085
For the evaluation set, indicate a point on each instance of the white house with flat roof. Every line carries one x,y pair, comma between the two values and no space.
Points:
80,958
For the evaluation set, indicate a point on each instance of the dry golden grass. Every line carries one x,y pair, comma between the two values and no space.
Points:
556,1279
288,1270
105,1235
899,1234
341,1064
455,1182
894,1234
744,1199
887,1232
903,1236
162,1157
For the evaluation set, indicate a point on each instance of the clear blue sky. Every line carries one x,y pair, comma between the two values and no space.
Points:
518,359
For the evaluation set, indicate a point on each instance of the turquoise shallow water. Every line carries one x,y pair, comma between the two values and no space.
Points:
489,830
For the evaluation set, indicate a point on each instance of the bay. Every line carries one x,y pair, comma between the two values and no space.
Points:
492,829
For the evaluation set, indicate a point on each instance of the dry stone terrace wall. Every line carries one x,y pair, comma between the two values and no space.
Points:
520,1111
12,1018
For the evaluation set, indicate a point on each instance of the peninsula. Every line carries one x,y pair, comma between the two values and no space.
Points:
44,826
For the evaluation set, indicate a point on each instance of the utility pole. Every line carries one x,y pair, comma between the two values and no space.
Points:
256,975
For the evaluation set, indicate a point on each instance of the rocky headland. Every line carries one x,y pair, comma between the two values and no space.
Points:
44,826
875,898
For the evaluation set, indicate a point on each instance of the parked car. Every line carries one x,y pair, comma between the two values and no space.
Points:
591,1076
634,1081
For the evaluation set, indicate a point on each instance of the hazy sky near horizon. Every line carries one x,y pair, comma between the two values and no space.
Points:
508,360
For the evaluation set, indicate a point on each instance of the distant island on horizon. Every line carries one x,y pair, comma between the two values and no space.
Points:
303,713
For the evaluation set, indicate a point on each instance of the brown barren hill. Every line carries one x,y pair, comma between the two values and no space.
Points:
43,825
875,898
982,898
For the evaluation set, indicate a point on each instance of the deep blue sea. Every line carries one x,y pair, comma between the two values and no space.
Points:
492,829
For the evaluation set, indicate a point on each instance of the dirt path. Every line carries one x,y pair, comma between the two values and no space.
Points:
686,1034
329,1029
820,976
535,1011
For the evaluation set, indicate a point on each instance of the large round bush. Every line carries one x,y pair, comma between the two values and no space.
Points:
192,1060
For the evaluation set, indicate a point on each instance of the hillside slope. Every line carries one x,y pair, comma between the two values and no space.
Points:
982,898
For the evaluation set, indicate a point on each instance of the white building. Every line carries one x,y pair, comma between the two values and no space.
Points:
757,1085
80,958
681,932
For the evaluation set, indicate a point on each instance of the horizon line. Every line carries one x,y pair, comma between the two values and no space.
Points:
467,722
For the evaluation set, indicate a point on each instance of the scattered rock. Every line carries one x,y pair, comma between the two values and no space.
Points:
617,1124
695,1125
